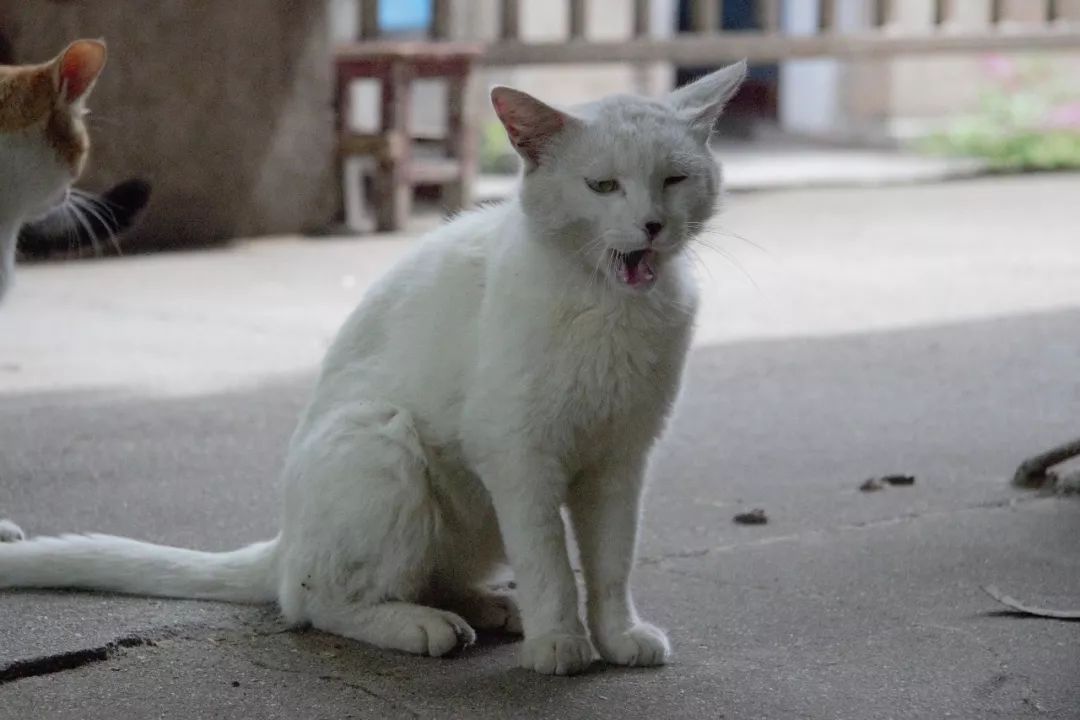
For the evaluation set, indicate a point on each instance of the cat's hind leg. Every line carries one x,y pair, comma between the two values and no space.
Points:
362,529
493,611
404,626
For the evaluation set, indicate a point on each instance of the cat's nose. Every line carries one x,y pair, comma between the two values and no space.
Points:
652,229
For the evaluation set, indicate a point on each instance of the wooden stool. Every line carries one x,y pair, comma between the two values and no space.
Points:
396,65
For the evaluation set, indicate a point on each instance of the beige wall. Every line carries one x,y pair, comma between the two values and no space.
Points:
224,106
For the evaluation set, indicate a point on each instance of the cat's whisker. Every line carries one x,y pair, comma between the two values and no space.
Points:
594,244
720,229
700,262
95,118
71,233
75,246
712,227
100,204
92,207
731,259
86,225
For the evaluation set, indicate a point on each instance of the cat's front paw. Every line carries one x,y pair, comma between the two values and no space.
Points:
643,645
10,532
556,654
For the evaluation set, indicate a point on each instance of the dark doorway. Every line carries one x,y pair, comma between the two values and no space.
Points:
758,98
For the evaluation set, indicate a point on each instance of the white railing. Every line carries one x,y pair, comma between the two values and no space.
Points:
1009,26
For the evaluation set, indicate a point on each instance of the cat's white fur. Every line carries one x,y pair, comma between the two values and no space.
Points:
499,373
32,181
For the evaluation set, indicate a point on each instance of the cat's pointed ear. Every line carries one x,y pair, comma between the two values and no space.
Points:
530,124
78,68
702,101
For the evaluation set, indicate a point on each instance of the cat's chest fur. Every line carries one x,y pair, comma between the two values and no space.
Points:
583,377
614,374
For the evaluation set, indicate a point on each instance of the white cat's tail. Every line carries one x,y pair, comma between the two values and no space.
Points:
122,565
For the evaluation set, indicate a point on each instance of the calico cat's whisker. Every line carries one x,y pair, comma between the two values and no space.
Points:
86,225
75,244
89,205
71,233
101,205
94,119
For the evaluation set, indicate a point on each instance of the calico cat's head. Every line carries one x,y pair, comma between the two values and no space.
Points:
43,139
625,181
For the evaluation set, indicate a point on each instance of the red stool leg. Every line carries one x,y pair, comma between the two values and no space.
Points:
394,189
461,143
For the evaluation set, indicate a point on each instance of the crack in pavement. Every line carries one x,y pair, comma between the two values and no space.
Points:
74,659
69,660
330,677
22,668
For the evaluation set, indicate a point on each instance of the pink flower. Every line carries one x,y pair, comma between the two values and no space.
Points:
999,68
1064,117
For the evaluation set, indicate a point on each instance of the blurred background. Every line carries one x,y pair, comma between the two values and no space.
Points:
232,110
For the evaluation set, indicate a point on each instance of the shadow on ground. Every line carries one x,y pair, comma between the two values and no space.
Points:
845,605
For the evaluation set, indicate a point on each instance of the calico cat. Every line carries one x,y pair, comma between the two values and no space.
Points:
522,359
43,138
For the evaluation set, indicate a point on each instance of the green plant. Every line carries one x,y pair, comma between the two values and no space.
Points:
496,154
1028,119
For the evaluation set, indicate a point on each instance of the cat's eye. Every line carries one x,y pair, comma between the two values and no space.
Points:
603,186
673,180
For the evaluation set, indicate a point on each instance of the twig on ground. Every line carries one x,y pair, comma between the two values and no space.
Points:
1015,604
1032,473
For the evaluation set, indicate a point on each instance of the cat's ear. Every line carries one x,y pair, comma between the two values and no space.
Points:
702,101
530,124
78,68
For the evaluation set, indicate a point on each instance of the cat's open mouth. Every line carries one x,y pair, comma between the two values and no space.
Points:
635,268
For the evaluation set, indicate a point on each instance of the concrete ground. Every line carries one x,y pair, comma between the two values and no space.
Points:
931,330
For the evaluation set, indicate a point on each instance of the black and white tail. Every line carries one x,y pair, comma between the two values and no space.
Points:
123,565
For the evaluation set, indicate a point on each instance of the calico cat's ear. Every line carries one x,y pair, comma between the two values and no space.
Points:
77,69
702,101
530,124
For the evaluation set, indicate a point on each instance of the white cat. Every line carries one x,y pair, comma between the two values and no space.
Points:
521,359
43,139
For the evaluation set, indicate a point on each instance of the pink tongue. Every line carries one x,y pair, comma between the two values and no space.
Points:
640,274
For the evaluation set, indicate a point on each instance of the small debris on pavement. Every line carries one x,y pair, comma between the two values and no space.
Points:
753,517
874,484
1015,604
236,683
899,479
